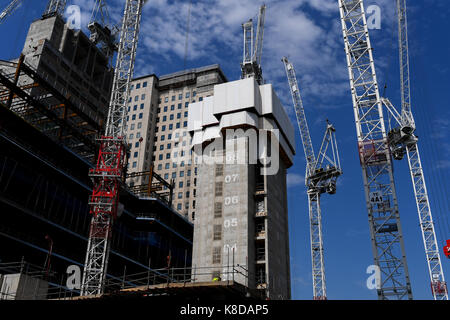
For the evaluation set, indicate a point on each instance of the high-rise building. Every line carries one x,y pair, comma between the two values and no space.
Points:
157,119
241,225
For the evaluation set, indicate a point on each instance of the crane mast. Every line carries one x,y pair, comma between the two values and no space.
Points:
375,157
402,139
55,6
251,64
108,174
321,175
12,6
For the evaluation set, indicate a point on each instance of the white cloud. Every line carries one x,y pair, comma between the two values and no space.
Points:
294,179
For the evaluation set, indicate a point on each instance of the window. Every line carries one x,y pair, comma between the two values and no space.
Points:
168,156
138,135
132,127
173,98
142,106
180,195
174,165
216,255
171,117
136,98
174,175
170,126
169,136
185,113
179,206
128,118
181,173
144,85
217,232
136,145
129,99
182,164
128,111
189,173
180,96
165,109
186,104
164,118
138,86
169,146
180,184
161,147
159,167
185,124
179,115
139,125
217,209
166,99
172,107
131,136
163,137
187,194
134,164
178,125
143,97
219,170
219,189
188,94
200,99
163,128
136,154
160,157
132,87
133,117
141,115
166,176
194,93
179,106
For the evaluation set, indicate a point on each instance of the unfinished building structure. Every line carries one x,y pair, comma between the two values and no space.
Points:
242,219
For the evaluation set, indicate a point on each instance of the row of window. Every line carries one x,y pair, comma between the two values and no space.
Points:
180,97
177,126
172,116
138,85
135,107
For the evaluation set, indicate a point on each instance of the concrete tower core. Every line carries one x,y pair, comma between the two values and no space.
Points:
243,143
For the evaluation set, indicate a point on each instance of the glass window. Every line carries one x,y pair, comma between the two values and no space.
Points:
170,126
174,165
186,104
161,147
128,109
179,206
136,145
169,136
164,118
171,117
180,96
132,127
141,115
134,164
160,166
188,94
167,165
131,136
178,125
180,195
163,128
172,107
169,145
182,164
142,106
133,117
168,156
174,175
136,154
185,113
139,125
128,118
138,86
200,99
173,98
181,173
179,115
194,93
166,99
144,85
166,176
189,173
185,124
160,157
163,137
136,98
138,135
180,184
132,87
179,106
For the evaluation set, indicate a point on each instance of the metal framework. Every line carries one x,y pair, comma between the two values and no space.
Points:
321,175
402,139
101,32
12,6
55,6
381,200
108,174
251,64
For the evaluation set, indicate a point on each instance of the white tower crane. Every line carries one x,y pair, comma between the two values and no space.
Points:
403,140
108,174
321,176
12,6
381,199
55,6
251,64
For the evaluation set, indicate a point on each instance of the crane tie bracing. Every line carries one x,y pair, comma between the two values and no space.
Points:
108,174
321,175
375,157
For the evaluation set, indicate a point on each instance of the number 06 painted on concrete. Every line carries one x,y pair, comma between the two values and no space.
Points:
231,200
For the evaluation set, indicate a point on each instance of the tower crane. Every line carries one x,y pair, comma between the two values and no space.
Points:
321,176
375,156
251,64
403,140
102,33
108,174
12,6
55,6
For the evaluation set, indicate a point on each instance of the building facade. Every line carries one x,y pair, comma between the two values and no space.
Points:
241,226
157,129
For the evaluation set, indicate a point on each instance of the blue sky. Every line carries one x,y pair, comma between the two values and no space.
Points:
309,33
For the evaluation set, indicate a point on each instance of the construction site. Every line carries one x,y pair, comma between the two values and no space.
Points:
115,186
